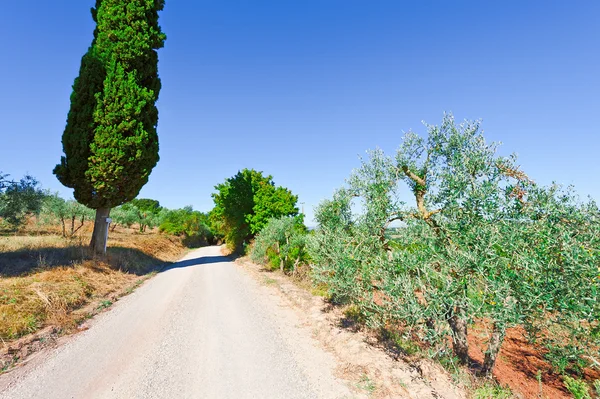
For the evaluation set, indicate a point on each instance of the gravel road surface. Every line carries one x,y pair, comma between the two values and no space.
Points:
201,329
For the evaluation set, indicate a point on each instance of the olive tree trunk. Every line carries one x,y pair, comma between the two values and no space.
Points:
458,325
99,236
494,345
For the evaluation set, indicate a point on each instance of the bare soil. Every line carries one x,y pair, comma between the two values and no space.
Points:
518,365
359,358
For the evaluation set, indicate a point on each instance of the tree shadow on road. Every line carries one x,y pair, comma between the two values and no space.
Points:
203,260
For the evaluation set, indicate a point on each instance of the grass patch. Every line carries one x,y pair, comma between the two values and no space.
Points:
398,343
491,390
269,281
104,304
367,384
320,290
45,280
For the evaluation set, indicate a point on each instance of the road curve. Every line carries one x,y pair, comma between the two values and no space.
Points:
201,329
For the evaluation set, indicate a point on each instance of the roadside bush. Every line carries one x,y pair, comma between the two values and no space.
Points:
481,242
281,244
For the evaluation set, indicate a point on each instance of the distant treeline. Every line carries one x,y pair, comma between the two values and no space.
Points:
23,199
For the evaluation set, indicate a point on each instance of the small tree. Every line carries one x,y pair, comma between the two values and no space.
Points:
245,203
19,199
124,215
110,141
68,213
147,212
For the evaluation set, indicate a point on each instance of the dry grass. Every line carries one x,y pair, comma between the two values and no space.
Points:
47,280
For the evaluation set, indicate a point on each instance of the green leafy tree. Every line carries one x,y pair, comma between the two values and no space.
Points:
481,241
147,212
110,141
216,225
4,182
245,202
147,205
19,199
192,225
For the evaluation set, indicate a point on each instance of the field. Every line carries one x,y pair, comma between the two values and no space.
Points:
52,284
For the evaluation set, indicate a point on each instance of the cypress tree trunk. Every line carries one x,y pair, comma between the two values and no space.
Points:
98,243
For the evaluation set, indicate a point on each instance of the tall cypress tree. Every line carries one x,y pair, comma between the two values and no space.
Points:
110,140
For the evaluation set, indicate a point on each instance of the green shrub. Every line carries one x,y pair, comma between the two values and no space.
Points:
492,391
281,244
566,358
245,203
578,388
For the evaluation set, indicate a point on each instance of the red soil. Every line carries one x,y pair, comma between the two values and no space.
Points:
518,365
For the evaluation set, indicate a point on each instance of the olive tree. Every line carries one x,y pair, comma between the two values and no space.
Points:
66,212
480,241
19,199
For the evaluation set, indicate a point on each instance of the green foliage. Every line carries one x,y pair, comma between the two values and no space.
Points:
110,141
481,241
400,342
147,205
569,357
145,212
19,199
281,243
4,182
124,215
71,215
578,388
492,390
187,223
244,204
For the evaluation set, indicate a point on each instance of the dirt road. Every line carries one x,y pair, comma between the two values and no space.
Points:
201,329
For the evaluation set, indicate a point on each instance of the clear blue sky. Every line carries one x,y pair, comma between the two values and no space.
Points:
299,89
